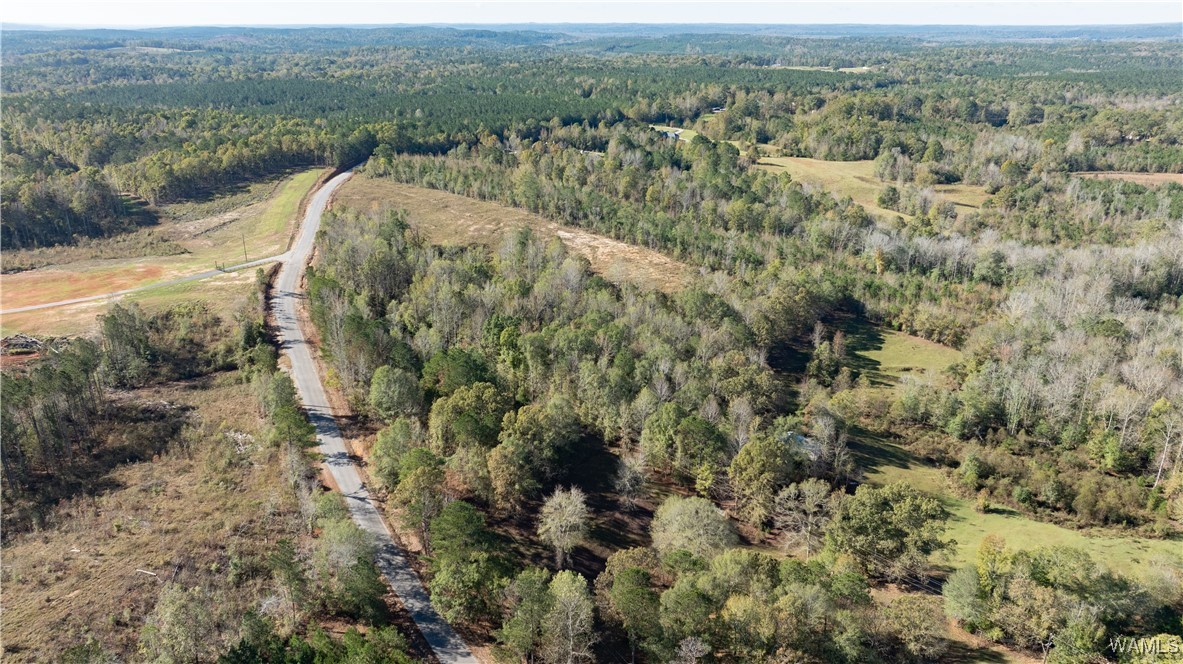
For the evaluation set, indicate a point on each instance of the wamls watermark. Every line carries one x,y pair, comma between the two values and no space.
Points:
1143,645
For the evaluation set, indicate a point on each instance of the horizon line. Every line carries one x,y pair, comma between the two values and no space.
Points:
18,25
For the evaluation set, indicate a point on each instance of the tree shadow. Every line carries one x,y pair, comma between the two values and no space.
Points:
223,189
957,651
862,336
592,467
874,451
137,213
133,432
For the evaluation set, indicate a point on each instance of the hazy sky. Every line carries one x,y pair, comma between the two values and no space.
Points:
322,12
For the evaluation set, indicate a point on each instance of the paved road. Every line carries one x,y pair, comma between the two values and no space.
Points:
448,646
171,282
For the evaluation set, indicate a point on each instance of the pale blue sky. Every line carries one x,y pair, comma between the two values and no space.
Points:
321,12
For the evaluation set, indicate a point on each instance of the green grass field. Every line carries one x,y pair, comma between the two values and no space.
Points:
886,463
857,180
683,134
887,356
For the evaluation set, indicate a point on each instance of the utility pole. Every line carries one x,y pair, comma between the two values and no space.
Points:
244,258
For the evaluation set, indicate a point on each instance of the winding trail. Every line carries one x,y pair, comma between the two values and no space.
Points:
448,645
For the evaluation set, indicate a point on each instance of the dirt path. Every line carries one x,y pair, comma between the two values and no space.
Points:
1144,179
159,284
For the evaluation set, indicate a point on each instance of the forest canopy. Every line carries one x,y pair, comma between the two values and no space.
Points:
933,284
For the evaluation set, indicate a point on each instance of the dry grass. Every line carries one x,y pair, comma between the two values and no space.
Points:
1144,179
265,226
224,292
448,219
183,517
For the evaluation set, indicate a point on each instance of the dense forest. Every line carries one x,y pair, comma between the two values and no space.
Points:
495,374
517,399
181,113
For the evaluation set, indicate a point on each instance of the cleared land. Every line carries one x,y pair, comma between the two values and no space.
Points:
886,462
888,356
225,292
211,233
1144,179
857,180
192,516
682,134
845,70
449,219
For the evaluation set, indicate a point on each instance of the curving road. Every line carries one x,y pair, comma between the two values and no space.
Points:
448,646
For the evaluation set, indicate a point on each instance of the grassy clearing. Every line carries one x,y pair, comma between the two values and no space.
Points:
265,226
845,70
184,517
683,134
1144,179
886,463
887,356
1128,555
255,192
136,244
449,219
857,180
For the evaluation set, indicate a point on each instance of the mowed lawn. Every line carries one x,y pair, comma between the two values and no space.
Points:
450,219
683,134
888,356
257,230
885,463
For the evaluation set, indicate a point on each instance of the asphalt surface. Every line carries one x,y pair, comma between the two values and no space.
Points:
171,282
286,295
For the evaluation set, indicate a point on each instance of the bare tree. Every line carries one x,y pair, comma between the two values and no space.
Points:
690,650
567,636
802,512
1125,405
630,480
1165,425
564,522
742,417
